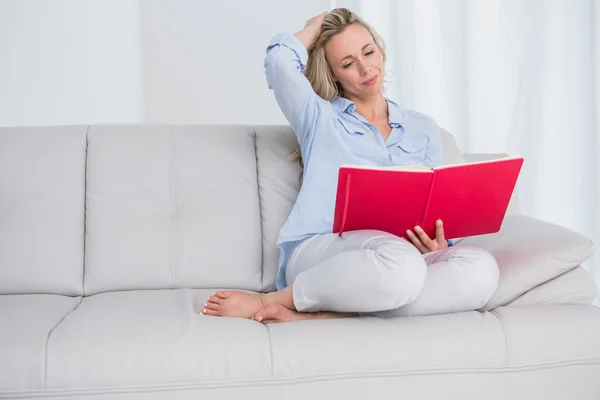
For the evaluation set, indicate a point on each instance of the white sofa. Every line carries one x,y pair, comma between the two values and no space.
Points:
112,237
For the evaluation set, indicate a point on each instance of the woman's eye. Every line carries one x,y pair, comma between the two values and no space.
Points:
369,53
346,66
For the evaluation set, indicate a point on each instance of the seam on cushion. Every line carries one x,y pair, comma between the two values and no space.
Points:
271,351
171,162
85,179
592,290
305,379
540,285
506,338
48,339
590,244
260,215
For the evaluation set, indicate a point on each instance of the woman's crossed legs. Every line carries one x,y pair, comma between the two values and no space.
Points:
368,273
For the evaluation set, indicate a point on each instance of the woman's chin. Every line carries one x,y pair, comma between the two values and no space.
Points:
371,90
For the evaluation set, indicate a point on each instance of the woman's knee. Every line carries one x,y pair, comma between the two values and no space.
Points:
481,281
404,272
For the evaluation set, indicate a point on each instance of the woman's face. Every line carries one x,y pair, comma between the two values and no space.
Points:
356,61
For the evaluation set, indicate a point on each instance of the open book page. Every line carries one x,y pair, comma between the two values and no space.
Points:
422,168
480,162
417,168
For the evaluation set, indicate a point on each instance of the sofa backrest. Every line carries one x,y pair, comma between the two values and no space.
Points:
42,194
170,207
85,210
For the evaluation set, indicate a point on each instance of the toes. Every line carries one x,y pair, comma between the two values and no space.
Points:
267,312
271,321
215,299
208,311
211,306
223,294
259,316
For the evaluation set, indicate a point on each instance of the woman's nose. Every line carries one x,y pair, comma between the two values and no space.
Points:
362,68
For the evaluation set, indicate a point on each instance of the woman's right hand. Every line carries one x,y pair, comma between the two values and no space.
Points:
312,30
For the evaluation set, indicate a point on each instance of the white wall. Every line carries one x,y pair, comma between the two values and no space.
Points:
69,62
167,61
204,59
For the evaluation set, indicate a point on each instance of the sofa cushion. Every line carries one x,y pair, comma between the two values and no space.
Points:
504,342
452,154
560,333
576,286
278,189
555,349
371,345
154,337
530,252
171,207
42,192
153,344
26,322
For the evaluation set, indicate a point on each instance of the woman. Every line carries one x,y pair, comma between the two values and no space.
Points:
328,81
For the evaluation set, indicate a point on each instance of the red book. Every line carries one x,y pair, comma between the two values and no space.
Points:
471,199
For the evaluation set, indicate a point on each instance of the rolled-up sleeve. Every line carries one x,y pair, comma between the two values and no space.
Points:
295,54
284,65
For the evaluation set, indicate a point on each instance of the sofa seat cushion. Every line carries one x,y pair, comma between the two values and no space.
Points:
26,322
154,337
508,337
381,346
153,344
551,335
506,354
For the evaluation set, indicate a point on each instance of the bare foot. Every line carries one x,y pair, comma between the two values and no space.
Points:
276,313
273,313
233,303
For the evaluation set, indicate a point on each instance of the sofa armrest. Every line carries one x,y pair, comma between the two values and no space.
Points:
530,252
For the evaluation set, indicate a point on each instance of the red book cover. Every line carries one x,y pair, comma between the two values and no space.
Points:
471,199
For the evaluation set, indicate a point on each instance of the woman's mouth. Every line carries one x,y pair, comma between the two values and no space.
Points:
371,81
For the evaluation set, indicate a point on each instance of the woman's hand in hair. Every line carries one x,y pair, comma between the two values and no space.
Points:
424,243
312,30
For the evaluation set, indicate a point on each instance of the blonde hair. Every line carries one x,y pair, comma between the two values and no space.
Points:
319,72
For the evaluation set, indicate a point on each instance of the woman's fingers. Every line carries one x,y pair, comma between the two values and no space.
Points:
311,31
416,241
425,239
439,233
423,242
317,19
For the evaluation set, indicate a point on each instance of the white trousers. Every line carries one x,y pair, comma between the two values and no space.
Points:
376,273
